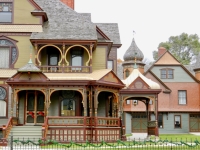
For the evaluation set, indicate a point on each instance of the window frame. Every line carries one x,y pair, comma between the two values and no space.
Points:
168,72
128,102
177,126
11,48
127,73
11,12
185,92
80,55
112,63
5,100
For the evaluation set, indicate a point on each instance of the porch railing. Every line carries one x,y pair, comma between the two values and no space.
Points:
81,128
7,128
65,69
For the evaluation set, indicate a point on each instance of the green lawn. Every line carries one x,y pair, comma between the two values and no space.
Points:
179,137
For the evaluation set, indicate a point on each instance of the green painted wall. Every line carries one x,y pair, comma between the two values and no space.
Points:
180,74
99,58
24,50
22,13
168,124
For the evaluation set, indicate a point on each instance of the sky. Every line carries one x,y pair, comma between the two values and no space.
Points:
153,21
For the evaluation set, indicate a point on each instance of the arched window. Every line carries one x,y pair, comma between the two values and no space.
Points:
127,72
2,102
8,53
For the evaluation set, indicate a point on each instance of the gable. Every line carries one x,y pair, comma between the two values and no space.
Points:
35,77
111,77
138,83
167,58
179,73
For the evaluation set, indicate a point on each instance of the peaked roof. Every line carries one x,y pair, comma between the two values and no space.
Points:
29,67
111,30
64,23
168,59
135,74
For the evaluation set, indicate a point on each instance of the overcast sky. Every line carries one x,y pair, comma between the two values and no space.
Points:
153,21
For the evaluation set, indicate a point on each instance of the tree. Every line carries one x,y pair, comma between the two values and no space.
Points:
184,47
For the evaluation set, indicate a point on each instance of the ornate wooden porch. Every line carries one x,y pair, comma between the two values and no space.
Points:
80,129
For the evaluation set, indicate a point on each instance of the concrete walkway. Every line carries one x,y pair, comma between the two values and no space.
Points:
137,136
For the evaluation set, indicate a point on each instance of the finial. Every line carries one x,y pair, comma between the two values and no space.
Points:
134,32
30,61
135,66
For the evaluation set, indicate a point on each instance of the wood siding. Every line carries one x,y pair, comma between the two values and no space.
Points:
22,13
128,123
168,123
23,46
99,58
180,75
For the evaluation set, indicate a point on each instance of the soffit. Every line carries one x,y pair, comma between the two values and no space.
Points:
7,73
21,28
95,75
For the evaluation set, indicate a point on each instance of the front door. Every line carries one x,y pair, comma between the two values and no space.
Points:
34,108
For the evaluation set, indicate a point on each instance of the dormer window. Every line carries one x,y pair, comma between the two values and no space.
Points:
167,73
5,12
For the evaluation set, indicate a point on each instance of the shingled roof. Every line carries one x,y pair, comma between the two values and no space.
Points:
64,23
111,30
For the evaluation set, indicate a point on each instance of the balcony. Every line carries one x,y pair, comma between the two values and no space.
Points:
65,69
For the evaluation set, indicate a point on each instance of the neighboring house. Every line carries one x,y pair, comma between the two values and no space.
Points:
178,103
68,84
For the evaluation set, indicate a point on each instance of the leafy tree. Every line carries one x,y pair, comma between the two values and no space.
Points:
183,47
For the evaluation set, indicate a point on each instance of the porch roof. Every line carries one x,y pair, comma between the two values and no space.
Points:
95,75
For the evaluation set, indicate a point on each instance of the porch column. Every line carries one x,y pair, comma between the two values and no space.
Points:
36,51
47,102
95,102
85,102
156,115
91,101
91,47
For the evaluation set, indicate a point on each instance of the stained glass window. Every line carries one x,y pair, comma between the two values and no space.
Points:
5,12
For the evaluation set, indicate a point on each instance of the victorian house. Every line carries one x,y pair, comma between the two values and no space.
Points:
57,73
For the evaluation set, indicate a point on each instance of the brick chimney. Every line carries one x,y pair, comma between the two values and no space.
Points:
69,3
161,51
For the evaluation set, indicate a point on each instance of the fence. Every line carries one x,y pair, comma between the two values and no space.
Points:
38,144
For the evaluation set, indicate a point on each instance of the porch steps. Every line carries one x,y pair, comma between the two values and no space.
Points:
26,132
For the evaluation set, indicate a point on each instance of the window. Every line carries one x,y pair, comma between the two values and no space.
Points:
110,64
8,53
128,102
76,58
182,98
2,102
127,72
160,120
167,73
177,121
5,12
134,102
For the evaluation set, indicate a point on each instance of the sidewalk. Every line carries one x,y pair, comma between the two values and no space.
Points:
137,136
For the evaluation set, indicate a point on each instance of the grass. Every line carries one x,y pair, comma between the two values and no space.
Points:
179,137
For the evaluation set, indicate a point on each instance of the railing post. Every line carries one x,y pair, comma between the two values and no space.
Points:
11,142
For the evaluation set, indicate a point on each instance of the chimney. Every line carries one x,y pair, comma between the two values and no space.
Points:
161,51
69,3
